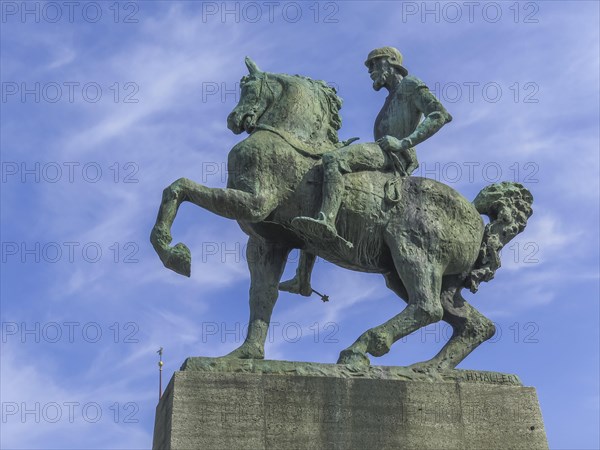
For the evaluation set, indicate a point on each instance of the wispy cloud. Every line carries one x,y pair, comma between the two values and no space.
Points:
172,131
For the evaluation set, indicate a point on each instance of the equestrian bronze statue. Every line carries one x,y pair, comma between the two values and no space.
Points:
426,239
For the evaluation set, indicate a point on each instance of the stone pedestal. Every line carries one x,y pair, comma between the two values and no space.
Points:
216,404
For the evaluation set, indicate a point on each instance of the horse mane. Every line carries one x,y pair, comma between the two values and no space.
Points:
330,102
333,104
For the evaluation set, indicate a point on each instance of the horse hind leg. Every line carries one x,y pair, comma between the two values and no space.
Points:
422,278
470,328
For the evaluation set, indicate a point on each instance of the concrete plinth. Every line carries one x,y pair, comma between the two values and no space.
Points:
282,405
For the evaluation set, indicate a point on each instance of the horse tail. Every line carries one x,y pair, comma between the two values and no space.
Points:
508,205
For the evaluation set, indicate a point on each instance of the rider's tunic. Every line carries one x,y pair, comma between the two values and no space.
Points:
399,117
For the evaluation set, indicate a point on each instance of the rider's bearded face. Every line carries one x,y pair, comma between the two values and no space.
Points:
380,71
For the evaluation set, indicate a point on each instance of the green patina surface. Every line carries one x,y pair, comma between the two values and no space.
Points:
310,369
293,185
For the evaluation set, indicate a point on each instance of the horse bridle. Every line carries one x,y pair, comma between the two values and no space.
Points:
263,81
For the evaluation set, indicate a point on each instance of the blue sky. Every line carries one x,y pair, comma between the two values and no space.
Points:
105,104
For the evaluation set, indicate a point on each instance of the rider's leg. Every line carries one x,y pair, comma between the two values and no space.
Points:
337,163
333,187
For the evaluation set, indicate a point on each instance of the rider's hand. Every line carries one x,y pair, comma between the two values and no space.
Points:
390,143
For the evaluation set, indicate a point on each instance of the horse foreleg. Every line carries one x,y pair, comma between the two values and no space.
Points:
266,262
229,203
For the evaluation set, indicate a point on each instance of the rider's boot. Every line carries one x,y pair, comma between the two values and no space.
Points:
323,226
333,187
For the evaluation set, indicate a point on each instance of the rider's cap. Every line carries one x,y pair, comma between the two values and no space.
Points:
391,54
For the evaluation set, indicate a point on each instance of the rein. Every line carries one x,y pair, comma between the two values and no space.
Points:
311,150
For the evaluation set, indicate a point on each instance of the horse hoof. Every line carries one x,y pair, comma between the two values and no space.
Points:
179,260
379,343
353,358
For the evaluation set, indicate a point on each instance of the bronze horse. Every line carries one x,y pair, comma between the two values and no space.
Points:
427,240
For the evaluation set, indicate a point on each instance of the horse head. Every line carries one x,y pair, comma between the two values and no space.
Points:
297,105
257,94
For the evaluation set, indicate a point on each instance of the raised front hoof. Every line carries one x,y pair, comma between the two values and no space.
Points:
295,287
246,351
179,259
354,358
318,229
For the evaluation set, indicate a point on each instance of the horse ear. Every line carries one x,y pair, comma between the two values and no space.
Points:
251,65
